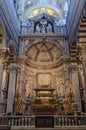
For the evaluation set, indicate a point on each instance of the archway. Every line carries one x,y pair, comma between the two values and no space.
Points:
44,66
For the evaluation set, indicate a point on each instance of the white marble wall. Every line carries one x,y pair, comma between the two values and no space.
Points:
75,87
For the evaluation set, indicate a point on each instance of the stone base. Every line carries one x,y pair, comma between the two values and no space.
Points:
2,127
44,121
58,128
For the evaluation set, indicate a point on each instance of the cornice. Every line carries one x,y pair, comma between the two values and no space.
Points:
34,36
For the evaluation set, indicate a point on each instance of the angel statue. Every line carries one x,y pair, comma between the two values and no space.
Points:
49,28
37,29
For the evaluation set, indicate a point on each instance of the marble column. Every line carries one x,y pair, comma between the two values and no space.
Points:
3,72
11,88
3,89
2,78
83,52
21,47
22,79
4,81
75,85
66,75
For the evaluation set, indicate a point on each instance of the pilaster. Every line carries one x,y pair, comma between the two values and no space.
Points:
75,85
11,88
21,76
83,53
66,78
53,81
2,75
3,69
3,79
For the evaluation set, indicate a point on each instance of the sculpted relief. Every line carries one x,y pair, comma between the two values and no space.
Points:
44,79
43,26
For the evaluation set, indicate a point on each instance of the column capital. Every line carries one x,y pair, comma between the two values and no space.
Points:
65,58
3,52
13,67
73,67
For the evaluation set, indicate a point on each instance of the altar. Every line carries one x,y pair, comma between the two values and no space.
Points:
44,102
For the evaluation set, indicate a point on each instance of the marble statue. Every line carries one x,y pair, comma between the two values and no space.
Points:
43,29
37,29
49,28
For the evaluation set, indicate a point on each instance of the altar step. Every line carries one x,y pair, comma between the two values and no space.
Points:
45,113
49,122
29,128
58,128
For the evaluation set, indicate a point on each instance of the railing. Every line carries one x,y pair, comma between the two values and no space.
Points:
21,121
60,30
69,120
30,120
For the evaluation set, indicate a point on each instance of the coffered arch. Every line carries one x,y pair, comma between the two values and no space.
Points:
43,54
58,43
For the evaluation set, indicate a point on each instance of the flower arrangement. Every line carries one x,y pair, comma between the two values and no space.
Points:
37,101
52,101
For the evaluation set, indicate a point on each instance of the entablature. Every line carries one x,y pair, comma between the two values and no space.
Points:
42,24
43,36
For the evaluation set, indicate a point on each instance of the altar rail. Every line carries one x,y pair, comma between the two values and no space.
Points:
30,121
69,120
